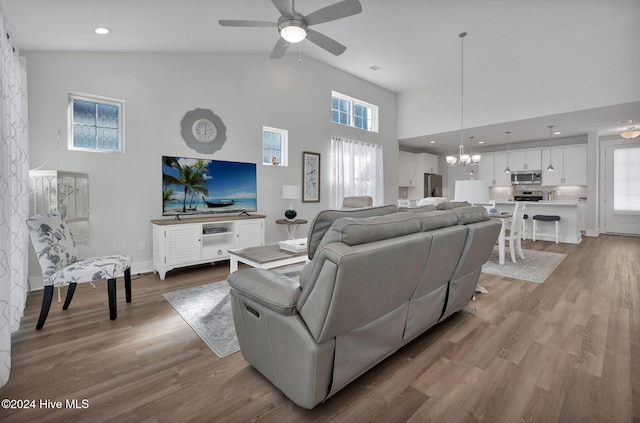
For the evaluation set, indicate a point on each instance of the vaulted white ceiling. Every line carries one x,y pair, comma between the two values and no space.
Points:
413,43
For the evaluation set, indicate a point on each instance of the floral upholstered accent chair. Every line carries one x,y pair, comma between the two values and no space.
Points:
58,257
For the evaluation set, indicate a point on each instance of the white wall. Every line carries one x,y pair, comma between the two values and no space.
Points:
534,82
247,91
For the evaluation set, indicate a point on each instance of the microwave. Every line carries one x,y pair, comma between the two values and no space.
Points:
526,177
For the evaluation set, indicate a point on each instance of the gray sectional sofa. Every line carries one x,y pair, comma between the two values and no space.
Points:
377,278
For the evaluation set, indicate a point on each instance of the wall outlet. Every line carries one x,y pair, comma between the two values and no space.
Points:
142,246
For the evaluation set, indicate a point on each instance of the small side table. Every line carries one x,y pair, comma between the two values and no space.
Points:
291,226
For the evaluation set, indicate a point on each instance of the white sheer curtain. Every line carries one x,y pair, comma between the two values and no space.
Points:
14,196
356,169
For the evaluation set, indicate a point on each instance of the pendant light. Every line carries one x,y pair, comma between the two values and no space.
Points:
550,167
471,172
462,159
506,169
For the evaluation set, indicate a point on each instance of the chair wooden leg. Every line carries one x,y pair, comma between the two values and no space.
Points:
113,307
70,291
46,304
127,284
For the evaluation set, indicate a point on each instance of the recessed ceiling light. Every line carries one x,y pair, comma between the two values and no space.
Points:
557,133
102,30
480,142
432,142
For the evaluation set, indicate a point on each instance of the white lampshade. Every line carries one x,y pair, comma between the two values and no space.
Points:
291,192
472,191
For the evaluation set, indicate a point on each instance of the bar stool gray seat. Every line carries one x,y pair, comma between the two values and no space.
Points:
546,218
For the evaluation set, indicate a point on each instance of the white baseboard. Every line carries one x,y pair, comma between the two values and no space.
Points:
592,232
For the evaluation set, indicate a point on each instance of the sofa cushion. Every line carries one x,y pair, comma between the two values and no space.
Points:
419,209
355,231
323,221
471,214
452,205
437,219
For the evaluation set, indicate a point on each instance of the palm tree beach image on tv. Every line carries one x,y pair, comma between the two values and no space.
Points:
197,186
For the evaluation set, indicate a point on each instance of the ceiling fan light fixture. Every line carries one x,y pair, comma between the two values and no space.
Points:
293,29
630,133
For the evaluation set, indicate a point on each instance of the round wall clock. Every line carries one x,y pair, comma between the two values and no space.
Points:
203,131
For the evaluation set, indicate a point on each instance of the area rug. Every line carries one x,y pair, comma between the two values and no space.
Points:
207,309
535,267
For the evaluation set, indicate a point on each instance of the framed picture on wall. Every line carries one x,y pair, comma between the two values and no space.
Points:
310,177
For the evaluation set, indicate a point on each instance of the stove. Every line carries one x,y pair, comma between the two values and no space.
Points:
528,196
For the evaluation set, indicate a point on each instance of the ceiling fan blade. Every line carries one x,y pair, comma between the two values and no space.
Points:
280,49
335,11
329,44
226,22
284,7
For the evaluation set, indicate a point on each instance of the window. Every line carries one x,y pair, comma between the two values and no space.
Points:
626,177
95,123
356,169
349,111
274,146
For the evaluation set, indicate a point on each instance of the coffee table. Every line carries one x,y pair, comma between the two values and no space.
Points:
265,257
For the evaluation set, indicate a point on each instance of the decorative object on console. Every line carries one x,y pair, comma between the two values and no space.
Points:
203,131
550,167
472,191
462,159
310,177
290,192
293,26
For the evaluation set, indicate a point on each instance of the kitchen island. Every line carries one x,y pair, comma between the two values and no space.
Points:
570,212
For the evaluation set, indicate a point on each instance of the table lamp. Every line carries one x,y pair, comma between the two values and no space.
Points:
290,192
472,191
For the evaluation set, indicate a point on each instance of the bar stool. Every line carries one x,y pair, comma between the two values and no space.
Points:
545,218
523,231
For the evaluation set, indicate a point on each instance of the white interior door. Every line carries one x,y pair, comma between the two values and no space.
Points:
621,186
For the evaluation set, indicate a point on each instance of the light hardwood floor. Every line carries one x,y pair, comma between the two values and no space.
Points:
567,350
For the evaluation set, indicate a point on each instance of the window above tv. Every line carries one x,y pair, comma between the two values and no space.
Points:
95,123
350,111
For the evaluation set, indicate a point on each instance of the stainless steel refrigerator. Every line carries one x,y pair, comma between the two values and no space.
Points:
432,185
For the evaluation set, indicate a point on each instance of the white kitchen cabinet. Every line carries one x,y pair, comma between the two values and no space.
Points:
575,165
525,160
407,169
500,163
486,169
430,163
491,169
570,165
179,243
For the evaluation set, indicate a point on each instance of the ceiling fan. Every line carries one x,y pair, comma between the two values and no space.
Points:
294,27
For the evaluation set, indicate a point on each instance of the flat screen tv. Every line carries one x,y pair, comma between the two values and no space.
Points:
198,186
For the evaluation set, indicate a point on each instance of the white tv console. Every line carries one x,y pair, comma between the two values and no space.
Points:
196,240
